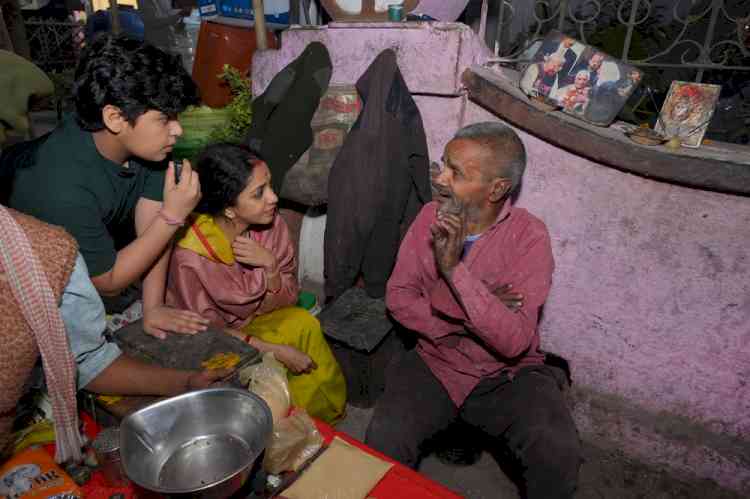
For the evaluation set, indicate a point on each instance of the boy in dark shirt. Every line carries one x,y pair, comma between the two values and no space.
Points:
103,168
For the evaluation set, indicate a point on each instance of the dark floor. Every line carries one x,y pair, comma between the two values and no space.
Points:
604,474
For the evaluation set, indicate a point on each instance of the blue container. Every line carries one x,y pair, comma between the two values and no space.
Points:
208,8
239,9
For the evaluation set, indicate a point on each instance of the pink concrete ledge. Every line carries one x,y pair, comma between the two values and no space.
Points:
716,166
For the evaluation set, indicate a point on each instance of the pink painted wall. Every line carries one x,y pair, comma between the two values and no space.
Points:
651,294
353,47
651,300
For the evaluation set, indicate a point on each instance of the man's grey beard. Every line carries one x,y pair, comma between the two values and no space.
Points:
450,206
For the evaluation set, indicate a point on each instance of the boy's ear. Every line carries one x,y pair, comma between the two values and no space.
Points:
113,119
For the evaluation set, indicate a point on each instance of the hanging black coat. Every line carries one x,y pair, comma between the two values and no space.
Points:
378,183
280,130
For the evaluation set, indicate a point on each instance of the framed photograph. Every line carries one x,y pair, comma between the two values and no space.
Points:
687,111
580,80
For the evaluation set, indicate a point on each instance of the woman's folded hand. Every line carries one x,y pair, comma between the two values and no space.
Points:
295,360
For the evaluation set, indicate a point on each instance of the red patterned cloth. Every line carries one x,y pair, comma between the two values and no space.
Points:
35,298
399,482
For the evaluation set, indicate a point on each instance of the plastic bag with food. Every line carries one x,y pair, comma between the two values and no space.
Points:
268,380
294,440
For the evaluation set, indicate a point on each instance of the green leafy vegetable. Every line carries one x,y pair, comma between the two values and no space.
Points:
203,125
240,108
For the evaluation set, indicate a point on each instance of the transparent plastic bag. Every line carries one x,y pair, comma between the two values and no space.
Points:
268,381
294,440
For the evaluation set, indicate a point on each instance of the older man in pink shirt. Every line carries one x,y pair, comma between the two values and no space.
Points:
478,357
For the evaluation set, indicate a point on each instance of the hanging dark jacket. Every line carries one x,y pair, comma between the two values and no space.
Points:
378,183
280,130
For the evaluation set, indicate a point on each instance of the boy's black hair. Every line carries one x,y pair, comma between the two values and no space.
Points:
132,75
224,171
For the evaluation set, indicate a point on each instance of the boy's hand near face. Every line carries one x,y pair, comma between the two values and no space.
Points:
181,198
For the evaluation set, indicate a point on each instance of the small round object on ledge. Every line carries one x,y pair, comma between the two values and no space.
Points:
395,12
673,143
367,11
646,136
544,104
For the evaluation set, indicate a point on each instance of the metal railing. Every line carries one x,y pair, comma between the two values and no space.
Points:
55,45
699,35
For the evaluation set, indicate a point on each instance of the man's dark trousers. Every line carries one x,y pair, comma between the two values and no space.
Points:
527,413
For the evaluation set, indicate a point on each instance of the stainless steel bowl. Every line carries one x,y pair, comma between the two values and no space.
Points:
200,444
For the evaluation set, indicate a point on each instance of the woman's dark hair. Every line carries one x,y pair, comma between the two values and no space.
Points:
132,75
224,171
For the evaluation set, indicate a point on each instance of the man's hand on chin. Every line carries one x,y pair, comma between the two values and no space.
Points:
158,321
448,235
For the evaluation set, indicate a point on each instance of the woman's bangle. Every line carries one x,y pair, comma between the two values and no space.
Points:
171,221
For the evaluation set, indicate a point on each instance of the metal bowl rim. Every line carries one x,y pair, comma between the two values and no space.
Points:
194,393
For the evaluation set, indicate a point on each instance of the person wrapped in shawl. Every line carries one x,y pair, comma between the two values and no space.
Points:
235,265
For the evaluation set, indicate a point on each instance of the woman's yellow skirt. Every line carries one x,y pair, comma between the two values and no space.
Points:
322,393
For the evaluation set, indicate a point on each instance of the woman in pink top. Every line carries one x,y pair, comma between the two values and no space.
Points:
235,265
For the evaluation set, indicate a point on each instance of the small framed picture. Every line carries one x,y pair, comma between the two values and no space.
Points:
579,79
687,111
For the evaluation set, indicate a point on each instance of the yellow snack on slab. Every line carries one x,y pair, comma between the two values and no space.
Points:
221,361
109,399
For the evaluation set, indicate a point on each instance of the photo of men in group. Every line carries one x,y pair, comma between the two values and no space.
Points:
579,79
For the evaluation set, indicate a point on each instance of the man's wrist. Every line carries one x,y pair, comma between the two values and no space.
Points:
183,385
447,271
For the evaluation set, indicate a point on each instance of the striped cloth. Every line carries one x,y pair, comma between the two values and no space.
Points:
34,295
